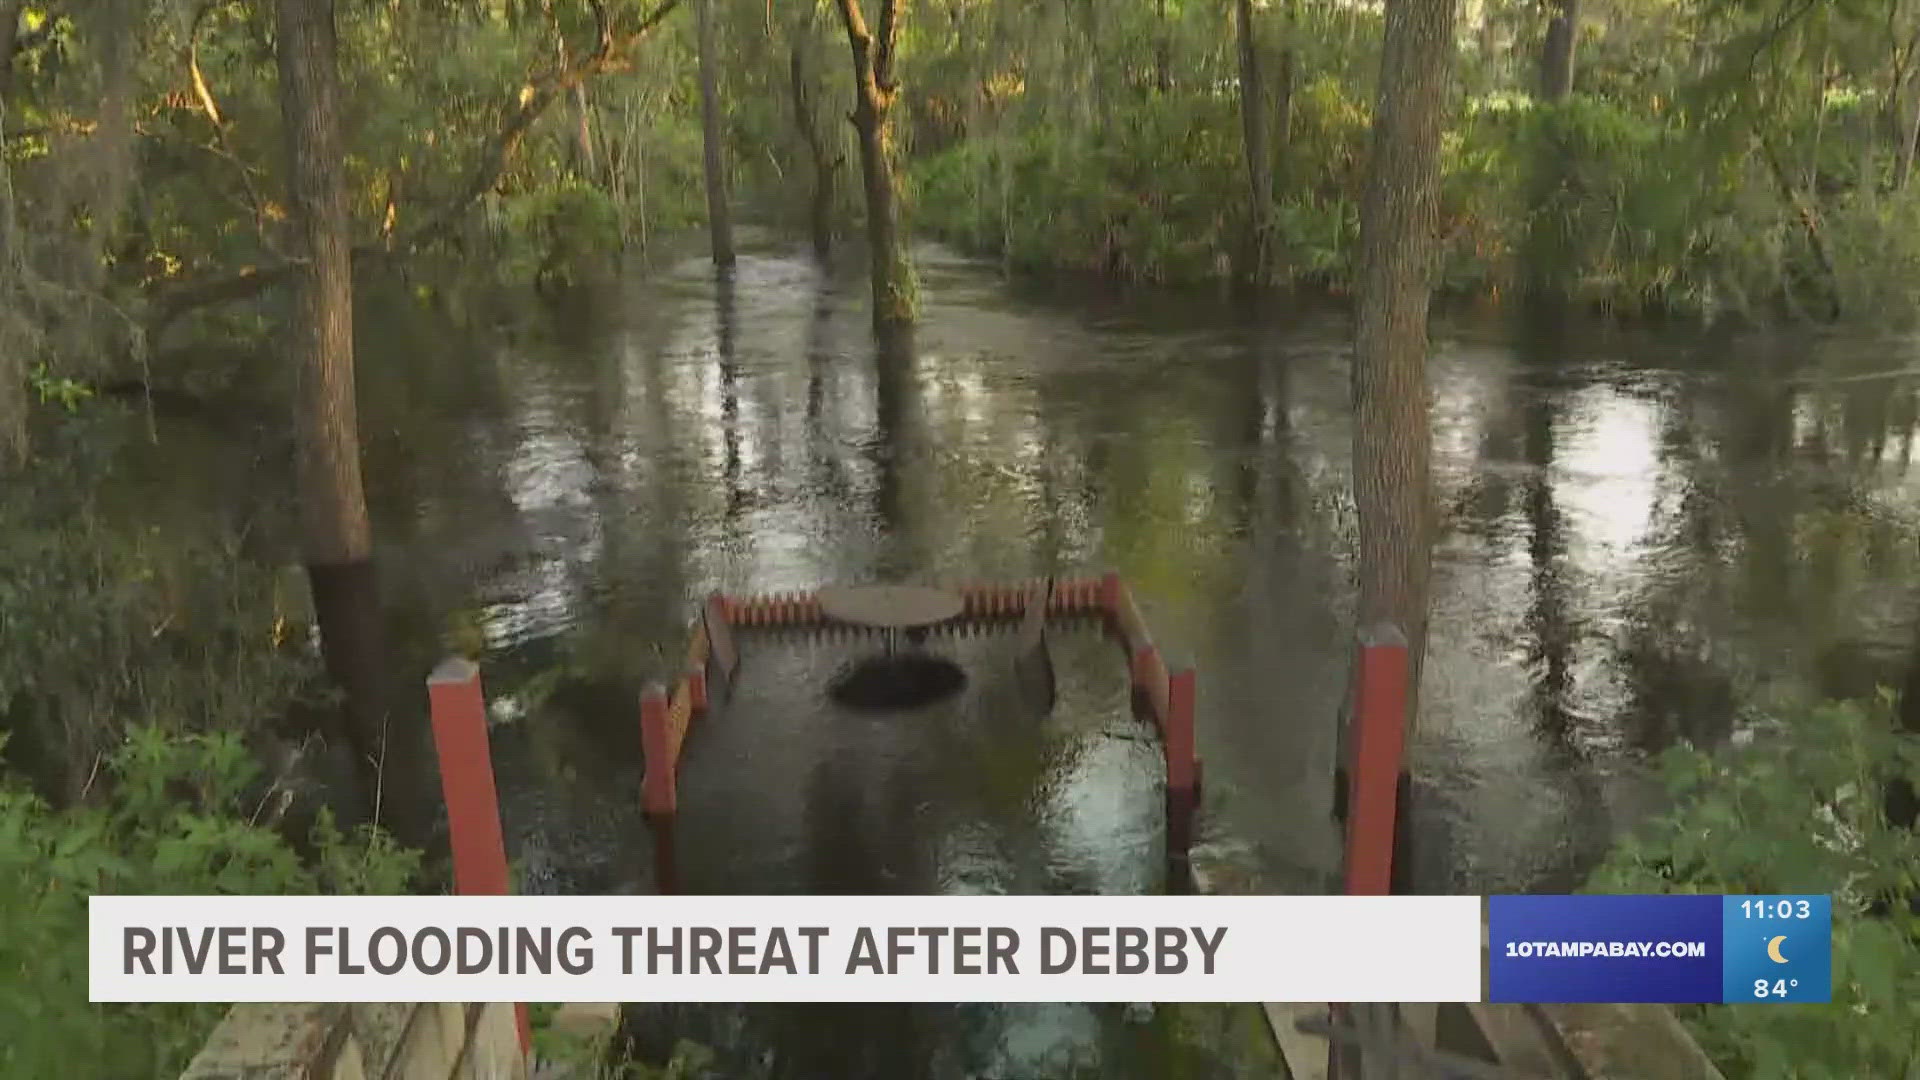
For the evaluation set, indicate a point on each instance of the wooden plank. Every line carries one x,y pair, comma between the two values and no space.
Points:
1033,662
899,607
1033,621
1149,675
1516,1041
1305,1054
1628,1042
720,635
679,718
1129,623
697,645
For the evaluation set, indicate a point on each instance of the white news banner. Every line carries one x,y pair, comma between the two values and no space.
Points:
785,948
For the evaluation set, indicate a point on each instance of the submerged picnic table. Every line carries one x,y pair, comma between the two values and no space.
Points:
892,608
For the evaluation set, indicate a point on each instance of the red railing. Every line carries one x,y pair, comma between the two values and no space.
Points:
1165,698
1372,779
458,710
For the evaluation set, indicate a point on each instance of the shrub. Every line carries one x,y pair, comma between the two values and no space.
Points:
1799,810
181,817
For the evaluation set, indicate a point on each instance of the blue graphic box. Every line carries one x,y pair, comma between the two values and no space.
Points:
1704,949
1778,948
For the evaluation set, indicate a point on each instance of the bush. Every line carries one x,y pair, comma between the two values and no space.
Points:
117,604
559,235
177,819
141,650
1799,810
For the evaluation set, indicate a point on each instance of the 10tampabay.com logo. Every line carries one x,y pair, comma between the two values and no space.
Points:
1659,948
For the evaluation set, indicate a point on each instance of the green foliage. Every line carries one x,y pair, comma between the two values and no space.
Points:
141,650
1799,811
1726,158
1143,205
180,816
595,1057
560,234
49,390
117,613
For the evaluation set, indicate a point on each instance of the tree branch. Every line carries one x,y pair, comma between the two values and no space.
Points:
889,37
539,92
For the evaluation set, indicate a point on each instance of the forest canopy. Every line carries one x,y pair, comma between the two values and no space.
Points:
1714,157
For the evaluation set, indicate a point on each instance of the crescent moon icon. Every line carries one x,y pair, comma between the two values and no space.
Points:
1773,950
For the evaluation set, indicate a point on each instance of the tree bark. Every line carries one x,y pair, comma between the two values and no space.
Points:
1283,97
1253,120
825,167
1556,50
583,134
1392,441
1909,145
719,217
1163,50
875,91
336,534
9,40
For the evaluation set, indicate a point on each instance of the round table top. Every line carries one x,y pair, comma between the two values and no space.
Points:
897,607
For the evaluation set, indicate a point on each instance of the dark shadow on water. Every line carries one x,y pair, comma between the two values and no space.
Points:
897,681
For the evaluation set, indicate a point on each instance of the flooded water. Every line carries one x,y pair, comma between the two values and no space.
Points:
1646,536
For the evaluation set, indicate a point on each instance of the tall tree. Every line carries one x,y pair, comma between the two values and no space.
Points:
1392,441
13,374
1556,51
1253,122
1162,49
333,510
874,92
826,165
719,216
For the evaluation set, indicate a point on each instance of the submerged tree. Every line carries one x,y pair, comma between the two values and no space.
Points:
825,164
1557,49
875,89
337,538
1253,120
1392,439
719,216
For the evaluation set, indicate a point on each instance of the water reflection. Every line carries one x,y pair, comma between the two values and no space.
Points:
1647,536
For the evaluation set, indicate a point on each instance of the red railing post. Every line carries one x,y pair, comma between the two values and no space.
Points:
1183,775
1378,744
1373,749
1182,761
658,791
457,707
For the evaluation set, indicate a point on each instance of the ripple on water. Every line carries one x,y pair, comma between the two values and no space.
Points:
1646,535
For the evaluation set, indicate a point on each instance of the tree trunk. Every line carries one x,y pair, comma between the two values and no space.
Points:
1283,100
13,374
1163,50
820,215
1900,802
9,39
333,511
1253,120
874,91
583,135
1392,442
1556,50
719,218
1909,145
